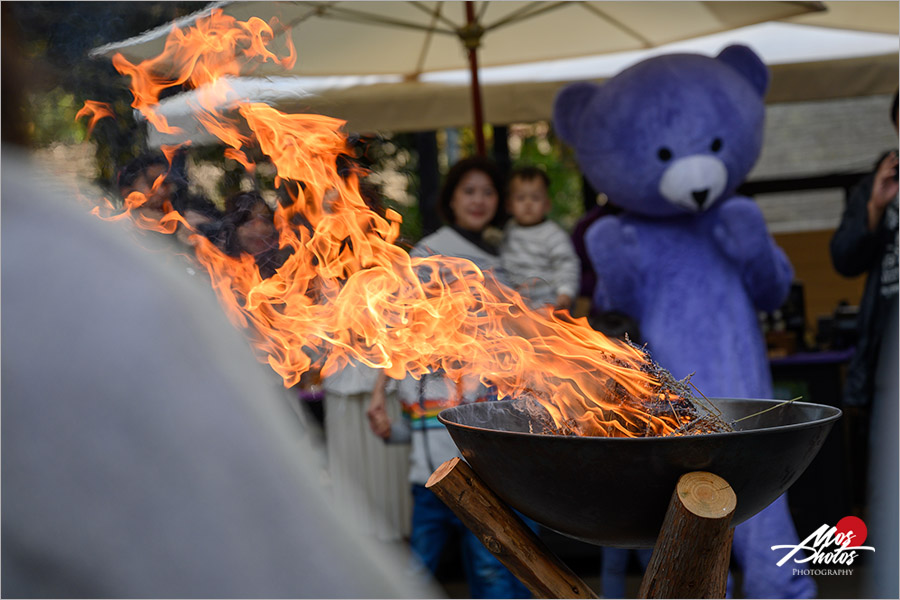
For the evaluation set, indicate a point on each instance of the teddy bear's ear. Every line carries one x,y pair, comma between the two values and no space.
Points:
569,106
747,64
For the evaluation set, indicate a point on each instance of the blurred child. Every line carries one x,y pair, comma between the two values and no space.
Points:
537,254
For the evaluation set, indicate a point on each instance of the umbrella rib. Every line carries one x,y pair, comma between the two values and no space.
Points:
316,8
435,13
164,30
532,9
482,9
625,28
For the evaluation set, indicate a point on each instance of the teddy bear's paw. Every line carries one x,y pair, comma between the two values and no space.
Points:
612,245
741,231
615,253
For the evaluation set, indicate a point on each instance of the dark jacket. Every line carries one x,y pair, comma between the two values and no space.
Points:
856,250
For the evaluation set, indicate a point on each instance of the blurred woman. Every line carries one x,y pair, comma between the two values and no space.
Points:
368,477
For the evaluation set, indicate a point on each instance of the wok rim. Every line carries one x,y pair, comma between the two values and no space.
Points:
836,414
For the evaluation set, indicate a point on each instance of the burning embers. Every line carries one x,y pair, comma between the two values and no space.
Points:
346,291
669,398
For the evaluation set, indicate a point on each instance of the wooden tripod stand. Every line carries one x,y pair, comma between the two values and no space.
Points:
690,559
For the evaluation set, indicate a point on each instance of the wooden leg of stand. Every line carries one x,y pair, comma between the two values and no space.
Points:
692,552
504,534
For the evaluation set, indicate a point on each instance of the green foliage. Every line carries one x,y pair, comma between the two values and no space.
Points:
411,227
394,163
52,41
466,141
52,118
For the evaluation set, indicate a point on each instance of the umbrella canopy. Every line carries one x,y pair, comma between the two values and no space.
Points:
412,38
409,39
846,64
880,17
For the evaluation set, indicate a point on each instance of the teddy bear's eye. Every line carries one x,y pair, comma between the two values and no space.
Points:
664,154
716,145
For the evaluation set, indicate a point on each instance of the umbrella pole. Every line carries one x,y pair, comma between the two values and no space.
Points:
471,37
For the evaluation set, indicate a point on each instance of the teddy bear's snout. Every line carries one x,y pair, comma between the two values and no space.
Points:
700,197
694,182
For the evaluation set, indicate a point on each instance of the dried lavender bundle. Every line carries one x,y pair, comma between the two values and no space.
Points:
697,415
674,398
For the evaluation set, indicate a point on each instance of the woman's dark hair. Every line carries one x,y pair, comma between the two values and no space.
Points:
455,175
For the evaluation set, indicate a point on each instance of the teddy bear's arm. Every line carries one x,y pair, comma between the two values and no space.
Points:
615,255
770,284
742,235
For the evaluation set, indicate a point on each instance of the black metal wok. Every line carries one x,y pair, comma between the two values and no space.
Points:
614,491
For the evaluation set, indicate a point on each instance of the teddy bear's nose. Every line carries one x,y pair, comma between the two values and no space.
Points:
700,197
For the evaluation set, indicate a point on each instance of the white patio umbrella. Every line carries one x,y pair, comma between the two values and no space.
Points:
409,39
807,64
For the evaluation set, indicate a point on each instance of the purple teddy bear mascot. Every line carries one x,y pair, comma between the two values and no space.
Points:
669,140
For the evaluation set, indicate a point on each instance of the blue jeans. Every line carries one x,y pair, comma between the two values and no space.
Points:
615,563
753,541
432,524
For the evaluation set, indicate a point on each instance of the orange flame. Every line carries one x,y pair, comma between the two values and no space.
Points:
96,111
348,291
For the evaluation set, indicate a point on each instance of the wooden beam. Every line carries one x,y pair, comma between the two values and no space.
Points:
504,534
692,552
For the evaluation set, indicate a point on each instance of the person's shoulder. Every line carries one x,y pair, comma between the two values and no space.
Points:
444,240
513,231
552,225
441,234
550,228
436,238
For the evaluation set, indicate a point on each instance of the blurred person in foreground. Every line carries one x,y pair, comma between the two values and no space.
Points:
145,452
866,241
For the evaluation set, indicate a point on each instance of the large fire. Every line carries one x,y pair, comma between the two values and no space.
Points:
349,292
